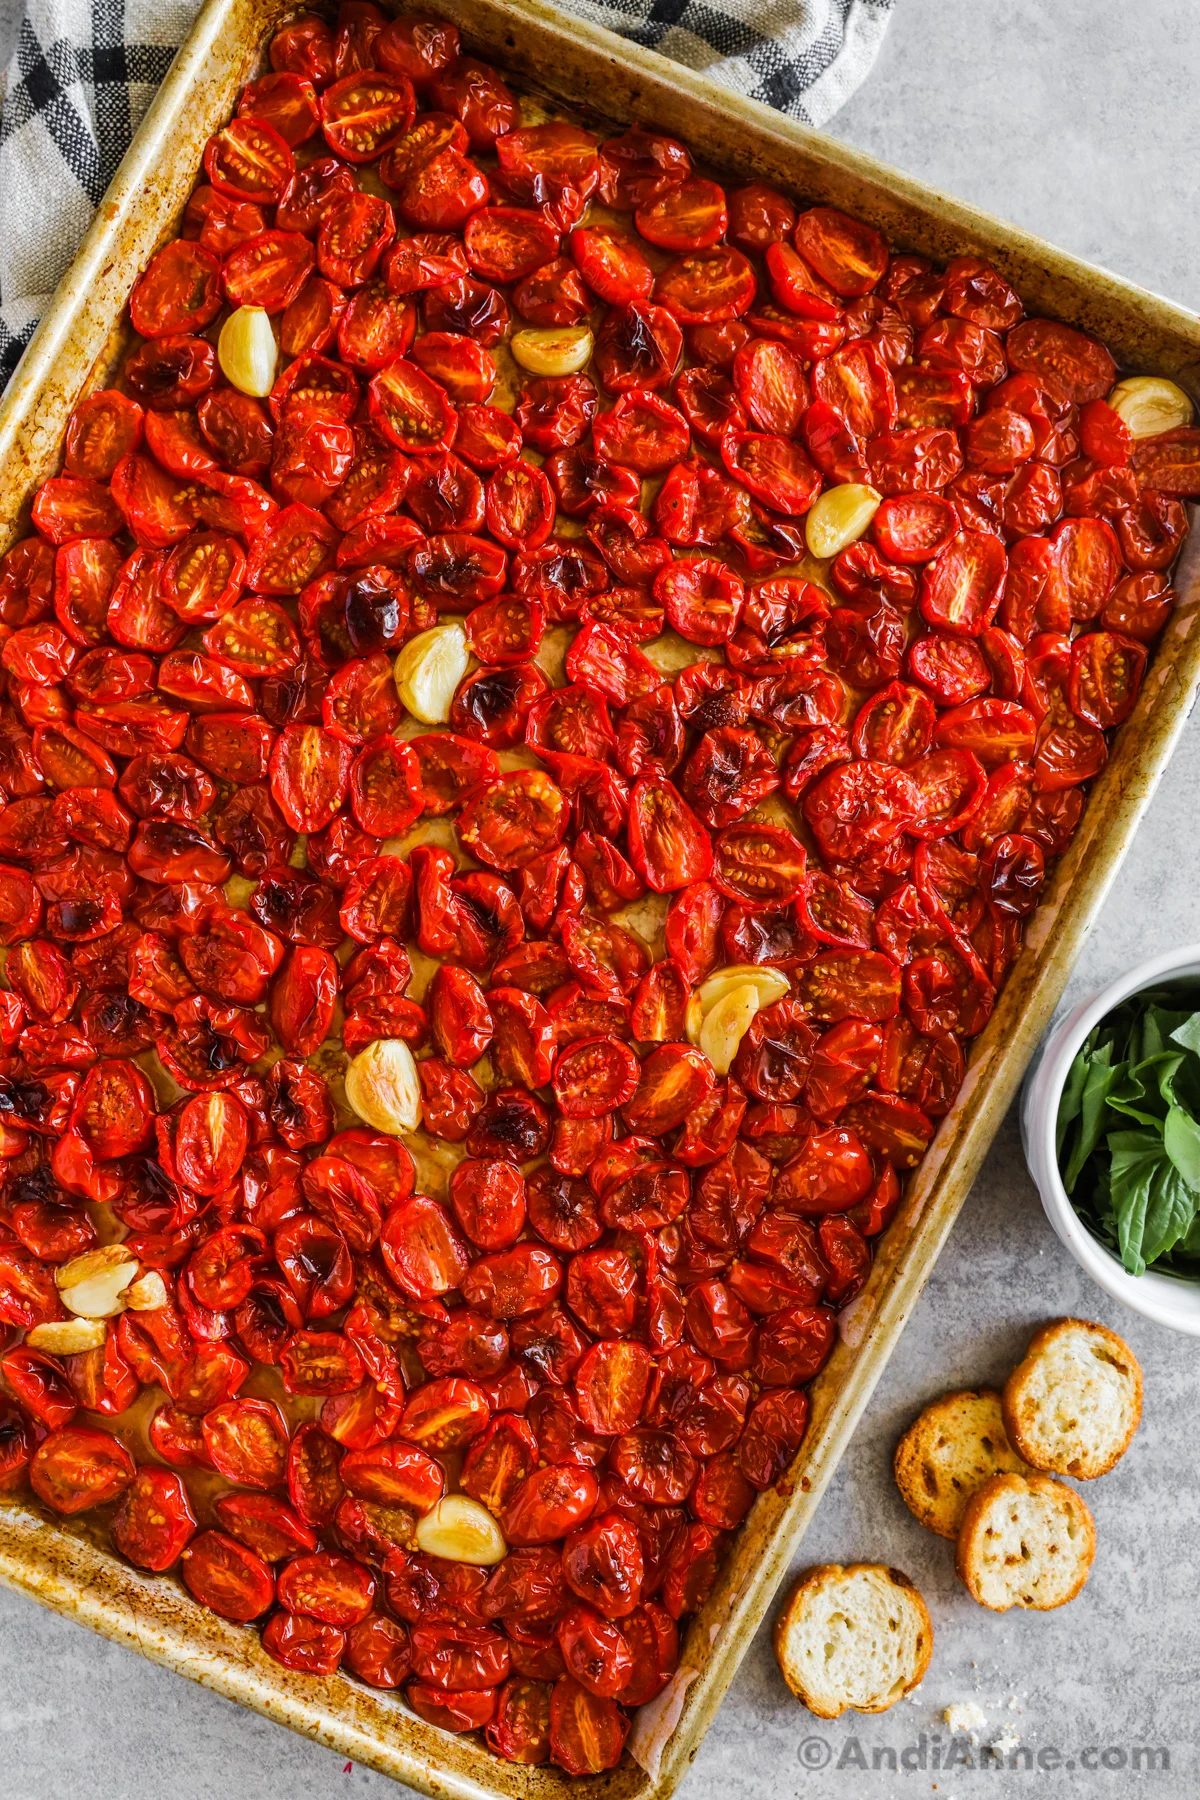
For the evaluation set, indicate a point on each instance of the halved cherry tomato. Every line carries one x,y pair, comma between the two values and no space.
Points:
248,160
366,113
77,1467
1076,363
707,286
178,292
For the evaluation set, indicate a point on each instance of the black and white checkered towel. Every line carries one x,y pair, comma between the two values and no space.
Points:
84,71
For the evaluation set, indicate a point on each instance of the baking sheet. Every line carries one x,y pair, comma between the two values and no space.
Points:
79,341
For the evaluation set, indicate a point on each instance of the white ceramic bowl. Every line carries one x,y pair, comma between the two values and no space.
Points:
1162,1298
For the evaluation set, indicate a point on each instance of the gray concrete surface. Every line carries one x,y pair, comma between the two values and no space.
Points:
1076,119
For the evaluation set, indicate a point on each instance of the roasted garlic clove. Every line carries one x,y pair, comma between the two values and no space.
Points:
247,352
68,1337
461,1530
839,517
93,1285
428,671
383,1088
558,350
1150,404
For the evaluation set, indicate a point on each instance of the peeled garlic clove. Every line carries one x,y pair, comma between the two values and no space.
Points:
1150,404
461,1530
769,985
839,517
383,1088
560,350
148,1293
92,1285
428,671
725,1025
247,352
68,1337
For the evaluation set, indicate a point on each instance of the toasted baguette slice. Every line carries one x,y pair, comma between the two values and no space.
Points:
1073,1405
857,1636
1025,1541
949,1451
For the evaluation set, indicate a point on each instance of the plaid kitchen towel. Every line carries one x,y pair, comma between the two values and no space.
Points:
84,71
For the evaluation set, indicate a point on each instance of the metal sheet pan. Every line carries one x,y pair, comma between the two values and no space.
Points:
78,343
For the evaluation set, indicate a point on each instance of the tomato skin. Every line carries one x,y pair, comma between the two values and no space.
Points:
77,1467
155,1521
707,286
303,998
669,846
103,427
41,1385
310,775
549,1502
1077,363
475,94
417,48
305,46
460,1018
248,160
177,292
774,470
1138,607
366,113
514,819
227,1577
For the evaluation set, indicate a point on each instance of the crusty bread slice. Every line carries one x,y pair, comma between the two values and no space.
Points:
949,1451
1073,1405
1026,1540
856,1636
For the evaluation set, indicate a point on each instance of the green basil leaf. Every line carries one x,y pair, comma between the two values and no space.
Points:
1158,1022
1157,1078
1102,1205
1186,1084
1100,1078
1187,1035
1150,1033
1135,1158
1118,1029
1071,1097
1131,1097
1170,1210
1181,1141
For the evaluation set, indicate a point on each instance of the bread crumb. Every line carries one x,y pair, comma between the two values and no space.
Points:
964,1716
1007,1741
